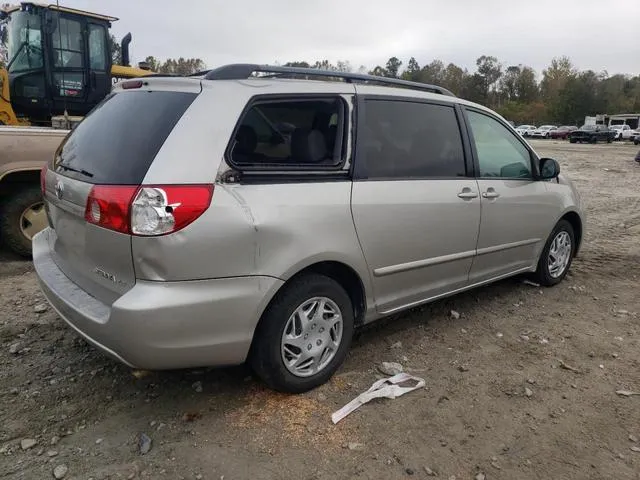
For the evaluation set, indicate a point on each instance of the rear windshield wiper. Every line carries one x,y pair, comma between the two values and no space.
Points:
80,171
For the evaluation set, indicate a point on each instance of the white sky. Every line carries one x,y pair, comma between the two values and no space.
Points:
595,34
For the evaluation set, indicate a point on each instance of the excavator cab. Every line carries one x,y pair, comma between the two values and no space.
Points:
59,60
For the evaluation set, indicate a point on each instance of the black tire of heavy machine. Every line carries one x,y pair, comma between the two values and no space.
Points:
13,207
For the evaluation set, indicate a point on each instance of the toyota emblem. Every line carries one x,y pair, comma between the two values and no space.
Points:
59,188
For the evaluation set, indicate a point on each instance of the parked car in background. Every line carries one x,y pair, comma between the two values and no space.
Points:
562,132
542,131
250,252
592,134
623,132
525,130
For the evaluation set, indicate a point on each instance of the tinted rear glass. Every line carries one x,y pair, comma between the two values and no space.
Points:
116,143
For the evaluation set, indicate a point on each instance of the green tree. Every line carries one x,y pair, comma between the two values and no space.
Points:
518,83
526,85
413,71
433,73
153,63
474,88
378,71
555,77
297,64
116,50
454,78
489,70
393,67
182,66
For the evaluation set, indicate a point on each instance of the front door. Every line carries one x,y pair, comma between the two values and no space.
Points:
516,209
415,209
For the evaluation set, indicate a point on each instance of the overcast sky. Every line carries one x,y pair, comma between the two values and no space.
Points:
595,34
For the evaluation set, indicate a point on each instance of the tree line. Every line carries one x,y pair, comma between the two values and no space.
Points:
562,94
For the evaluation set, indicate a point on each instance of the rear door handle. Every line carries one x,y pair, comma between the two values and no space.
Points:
490,193
467,193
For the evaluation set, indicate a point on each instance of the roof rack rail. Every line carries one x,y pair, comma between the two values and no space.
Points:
242,71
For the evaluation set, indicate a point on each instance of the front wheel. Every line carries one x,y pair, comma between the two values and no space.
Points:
304,335
609,140
557,255
573,140
23,215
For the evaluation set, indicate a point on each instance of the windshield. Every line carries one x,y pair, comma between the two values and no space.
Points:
588,127
616,127
24,42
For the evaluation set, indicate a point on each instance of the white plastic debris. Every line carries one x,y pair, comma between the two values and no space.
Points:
627,393
385,388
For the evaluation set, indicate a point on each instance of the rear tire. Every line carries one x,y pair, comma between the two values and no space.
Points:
551,270
280,323
14,227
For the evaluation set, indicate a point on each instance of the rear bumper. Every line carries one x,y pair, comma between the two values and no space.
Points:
161,325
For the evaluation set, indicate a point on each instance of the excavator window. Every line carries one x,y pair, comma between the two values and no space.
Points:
67,43
98,47
25,42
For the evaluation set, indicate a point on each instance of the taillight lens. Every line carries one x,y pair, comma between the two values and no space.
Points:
108,207
158,210
43,179
147,210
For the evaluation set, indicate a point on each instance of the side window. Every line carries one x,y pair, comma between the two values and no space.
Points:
410,140
97,47
290,132
68,46
500,153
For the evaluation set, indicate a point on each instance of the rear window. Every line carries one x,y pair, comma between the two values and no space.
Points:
116,143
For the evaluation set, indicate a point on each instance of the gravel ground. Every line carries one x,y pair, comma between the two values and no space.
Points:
521,386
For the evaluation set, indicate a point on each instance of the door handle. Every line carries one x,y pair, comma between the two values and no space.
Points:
467,194
490,193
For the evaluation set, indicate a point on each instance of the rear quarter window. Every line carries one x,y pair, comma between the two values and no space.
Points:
290,133
117,142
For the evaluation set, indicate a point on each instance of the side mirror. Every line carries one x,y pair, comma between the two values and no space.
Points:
549,168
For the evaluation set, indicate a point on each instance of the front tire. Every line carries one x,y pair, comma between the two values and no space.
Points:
573,140
304,335
557,255
23,216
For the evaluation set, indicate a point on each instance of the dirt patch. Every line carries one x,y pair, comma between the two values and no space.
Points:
499,397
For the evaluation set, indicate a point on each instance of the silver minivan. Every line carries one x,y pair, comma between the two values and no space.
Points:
254,214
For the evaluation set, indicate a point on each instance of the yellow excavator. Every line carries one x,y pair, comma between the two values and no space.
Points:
59,67
59,62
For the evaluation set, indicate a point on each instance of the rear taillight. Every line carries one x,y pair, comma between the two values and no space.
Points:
108,207
147,210
43,179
